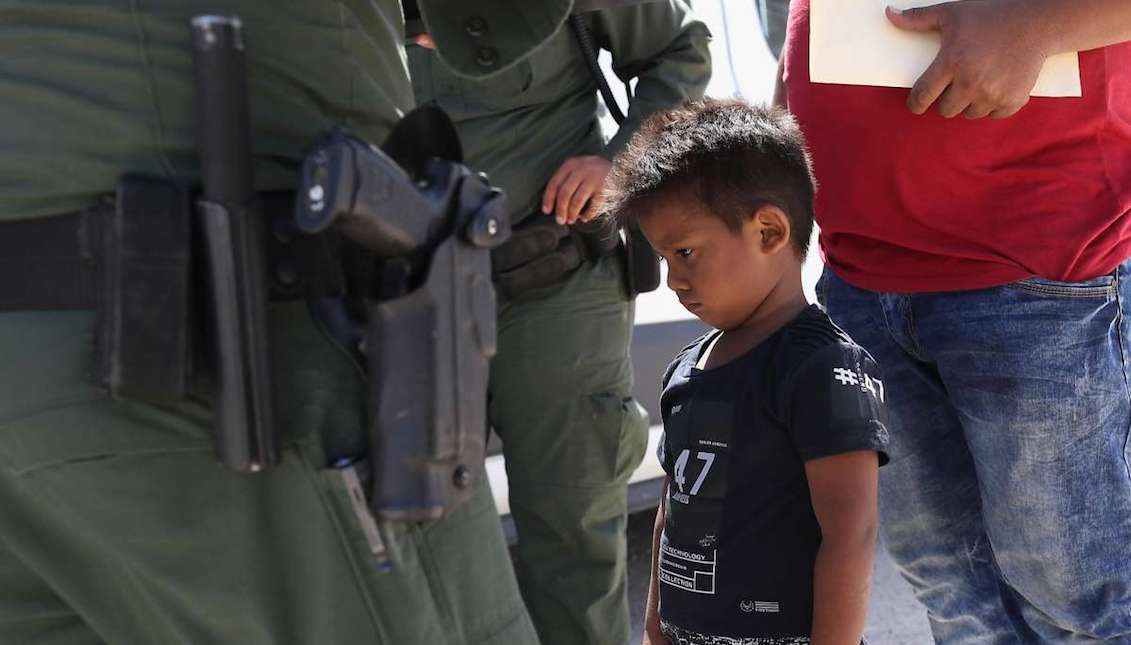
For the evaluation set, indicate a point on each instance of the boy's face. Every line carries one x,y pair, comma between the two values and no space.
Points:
720,275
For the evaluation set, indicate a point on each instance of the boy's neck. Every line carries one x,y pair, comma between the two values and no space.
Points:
784,303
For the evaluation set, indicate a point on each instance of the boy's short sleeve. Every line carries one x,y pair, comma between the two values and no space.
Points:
834,403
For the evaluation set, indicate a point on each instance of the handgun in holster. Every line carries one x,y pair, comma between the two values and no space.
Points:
430,313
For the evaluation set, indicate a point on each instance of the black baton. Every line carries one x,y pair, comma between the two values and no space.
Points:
233,229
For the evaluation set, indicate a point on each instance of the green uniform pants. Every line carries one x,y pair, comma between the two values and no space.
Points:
118,526
572,434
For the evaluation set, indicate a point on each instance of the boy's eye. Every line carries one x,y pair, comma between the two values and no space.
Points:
683,253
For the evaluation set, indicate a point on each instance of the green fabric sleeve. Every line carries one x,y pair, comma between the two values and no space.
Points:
665,48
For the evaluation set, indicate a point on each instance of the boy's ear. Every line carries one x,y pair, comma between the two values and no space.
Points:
772,226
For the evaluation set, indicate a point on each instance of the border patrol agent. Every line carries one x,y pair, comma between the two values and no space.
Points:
561,381
118,525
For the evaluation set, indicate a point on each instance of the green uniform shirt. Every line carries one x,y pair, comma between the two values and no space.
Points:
91,90
520,125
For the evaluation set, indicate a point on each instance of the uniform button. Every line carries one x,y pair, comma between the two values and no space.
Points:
487,56
461,477
476,26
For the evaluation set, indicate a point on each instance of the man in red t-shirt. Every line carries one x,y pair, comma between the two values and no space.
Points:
982,262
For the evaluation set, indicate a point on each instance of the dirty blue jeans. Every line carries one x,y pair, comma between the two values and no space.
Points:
1007,502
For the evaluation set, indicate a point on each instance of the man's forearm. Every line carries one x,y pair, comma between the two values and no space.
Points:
1080,25
780,99
841,582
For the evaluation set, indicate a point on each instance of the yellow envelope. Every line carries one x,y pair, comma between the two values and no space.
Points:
852,42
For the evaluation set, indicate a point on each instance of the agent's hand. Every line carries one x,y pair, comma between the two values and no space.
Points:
991,55
574,192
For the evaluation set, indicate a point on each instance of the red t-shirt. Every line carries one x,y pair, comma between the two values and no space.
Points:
922,203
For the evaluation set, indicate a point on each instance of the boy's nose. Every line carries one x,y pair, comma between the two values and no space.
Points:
676,281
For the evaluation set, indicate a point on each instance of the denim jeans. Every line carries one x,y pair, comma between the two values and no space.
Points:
1007,502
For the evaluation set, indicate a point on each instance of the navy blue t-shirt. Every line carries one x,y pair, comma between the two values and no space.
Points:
740,537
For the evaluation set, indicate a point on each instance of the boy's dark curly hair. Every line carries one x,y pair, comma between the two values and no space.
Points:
731,156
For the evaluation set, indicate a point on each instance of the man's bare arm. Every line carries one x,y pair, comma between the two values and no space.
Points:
780,99
992,50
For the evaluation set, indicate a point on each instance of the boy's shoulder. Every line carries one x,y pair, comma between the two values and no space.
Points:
831,393
689,352
811,334
813,330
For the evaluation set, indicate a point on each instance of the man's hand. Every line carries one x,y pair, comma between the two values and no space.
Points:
991,55
579,180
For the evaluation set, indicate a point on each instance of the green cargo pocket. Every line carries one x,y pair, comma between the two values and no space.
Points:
634,437
385,562
621,428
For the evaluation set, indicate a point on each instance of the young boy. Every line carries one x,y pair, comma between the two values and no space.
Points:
773,424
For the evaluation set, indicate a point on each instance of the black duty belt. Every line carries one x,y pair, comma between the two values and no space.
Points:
59,262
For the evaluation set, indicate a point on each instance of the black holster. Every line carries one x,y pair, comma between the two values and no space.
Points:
429,312
642,266
428,354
